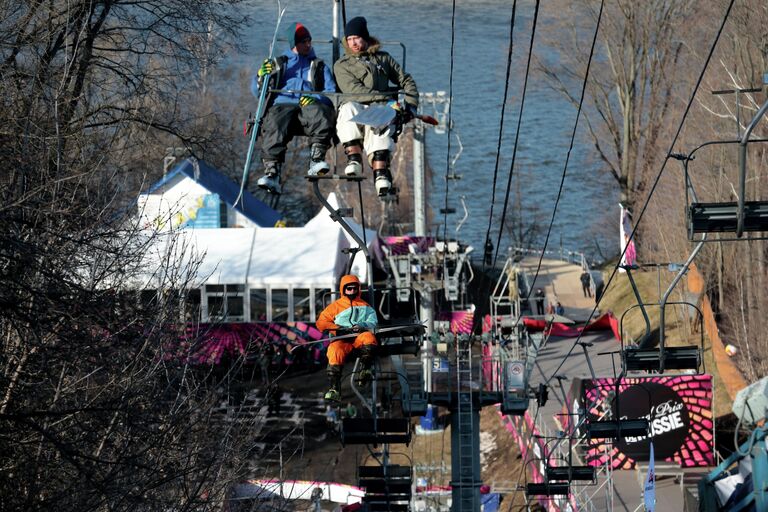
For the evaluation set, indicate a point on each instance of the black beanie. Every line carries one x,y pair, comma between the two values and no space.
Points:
357,27
296,32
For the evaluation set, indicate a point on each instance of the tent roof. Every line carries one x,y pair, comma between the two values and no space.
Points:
304,256
213,180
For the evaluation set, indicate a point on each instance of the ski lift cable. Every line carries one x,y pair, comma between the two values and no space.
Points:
655,182
570,149
517,132
449,123
501,124
525,461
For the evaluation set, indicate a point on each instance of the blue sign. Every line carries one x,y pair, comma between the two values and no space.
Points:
440,365
208,215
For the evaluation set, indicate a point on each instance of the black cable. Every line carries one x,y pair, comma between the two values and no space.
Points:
655,183
517,133
450,123
526,460
570,148
501,126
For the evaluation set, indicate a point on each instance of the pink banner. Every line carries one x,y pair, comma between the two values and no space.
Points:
399,244
461,321
604,322
214,343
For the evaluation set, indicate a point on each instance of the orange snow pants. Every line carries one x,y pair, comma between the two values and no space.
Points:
339,350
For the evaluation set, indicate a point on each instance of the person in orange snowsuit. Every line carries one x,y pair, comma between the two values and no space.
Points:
349,314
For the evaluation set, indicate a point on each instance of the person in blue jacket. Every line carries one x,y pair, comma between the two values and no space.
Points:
295,113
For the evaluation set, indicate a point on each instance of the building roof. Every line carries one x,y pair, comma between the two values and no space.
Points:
254,210
302,256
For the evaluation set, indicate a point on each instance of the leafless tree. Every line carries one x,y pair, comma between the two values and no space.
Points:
93,412
631,90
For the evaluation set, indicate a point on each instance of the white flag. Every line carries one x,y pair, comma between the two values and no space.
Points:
649,492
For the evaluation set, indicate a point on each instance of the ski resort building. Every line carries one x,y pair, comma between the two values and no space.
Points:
238,260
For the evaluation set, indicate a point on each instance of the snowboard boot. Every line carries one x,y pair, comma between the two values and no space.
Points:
383,181
354,153
317,164
334,378
271,179
382,178
365,375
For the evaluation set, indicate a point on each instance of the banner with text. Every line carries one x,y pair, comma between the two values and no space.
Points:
678,408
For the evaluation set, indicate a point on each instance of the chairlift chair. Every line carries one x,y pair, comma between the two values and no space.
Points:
735,217
570,473
567,472
386,484
547,489
375,431
659,359
612,429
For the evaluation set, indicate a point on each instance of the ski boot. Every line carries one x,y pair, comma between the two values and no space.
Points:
271,179
354,158
365,375
334,377
317,164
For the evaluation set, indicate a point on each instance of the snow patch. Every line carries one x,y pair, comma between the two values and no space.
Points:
487,446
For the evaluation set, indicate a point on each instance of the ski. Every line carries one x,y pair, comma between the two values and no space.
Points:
255,122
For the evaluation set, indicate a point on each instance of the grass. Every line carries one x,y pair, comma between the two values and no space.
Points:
679,330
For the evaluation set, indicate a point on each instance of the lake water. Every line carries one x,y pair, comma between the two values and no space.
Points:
586,211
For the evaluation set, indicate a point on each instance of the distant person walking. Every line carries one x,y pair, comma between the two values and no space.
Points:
599,291
539,300
273,401
585,281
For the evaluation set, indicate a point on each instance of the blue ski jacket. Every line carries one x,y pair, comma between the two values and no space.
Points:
298,72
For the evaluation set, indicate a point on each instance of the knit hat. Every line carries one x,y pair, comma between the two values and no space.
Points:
296,32
357,27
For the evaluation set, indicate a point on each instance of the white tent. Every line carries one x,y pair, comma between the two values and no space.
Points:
284,258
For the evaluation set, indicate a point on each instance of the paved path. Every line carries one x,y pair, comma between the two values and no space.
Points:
561,280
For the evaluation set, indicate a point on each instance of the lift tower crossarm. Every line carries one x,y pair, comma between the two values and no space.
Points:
337,217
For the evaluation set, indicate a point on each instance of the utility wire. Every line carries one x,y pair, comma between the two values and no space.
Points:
517,133
570,148
526,460
656,181
501,126
450,123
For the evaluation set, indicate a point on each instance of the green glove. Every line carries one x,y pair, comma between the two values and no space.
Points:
266,68
306,100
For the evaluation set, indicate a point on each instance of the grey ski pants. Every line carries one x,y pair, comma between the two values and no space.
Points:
282,121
